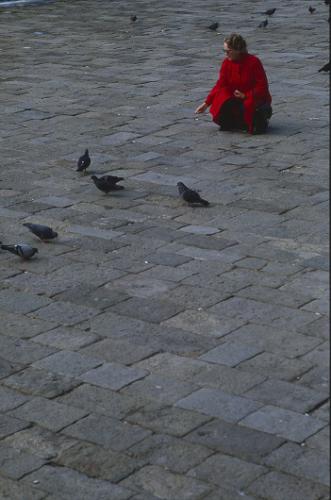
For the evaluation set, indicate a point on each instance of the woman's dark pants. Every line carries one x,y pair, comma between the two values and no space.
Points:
232,116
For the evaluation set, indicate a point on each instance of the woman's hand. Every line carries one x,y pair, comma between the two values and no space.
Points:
202,108
239,94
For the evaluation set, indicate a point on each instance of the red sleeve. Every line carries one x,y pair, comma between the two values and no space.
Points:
260,89
221,82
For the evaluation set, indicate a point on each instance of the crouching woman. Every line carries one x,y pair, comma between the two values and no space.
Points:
240,98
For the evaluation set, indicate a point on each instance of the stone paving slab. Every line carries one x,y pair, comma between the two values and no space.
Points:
156,350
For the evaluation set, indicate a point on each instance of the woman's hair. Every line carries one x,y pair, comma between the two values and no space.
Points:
236,42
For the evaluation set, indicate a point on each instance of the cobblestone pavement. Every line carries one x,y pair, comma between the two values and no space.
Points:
157,350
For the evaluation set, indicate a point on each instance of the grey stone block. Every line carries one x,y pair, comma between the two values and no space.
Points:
151,310
7,368
21,303
120,350
67,363
174,421
171,453
167,259
138,286
49,414
252,263
40,383
66,338
157,481
285,395
283,423
107,432
15,463
229,380
277,486
22,351
274,296
16,491
95,461
70,314
318,378
200,229
155,388
99,400
55,201
301,462
40,442
204,323
218,404
284,342
10,399
68,483
227,471
113,376
118,138
16,325
235,440
230,353
276,366
89,296
192,297
10,425
320,440
178,367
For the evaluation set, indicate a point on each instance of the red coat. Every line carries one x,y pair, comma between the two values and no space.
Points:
246,75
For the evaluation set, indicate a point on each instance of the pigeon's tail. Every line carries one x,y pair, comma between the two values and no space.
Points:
205,203
7,247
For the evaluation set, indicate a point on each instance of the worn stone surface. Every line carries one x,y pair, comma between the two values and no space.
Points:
194,338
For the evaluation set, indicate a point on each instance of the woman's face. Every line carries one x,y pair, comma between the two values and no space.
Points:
231,54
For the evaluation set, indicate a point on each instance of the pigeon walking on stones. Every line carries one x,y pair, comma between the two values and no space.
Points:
107,183
23,250
83,162
213,26
325,68
311,9
264,24
190,196
44,233
270,12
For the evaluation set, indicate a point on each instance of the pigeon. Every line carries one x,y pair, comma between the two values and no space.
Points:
270,12
192,197
325,68
83,162
264,24
22,250
107,183
311,9
213,27
133,18
43,232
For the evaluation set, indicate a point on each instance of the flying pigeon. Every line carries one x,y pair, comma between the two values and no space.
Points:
43,232
311,9
325,68
192,197
22,250
213,26
270,12
83,162
107,183
133,18
264,24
